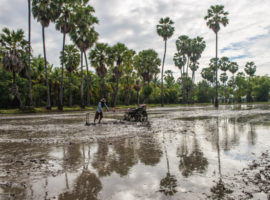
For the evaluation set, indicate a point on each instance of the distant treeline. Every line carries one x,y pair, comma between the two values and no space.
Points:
115,72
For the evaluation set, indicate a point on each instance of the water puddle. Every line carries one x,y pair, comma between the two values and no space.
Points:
182,153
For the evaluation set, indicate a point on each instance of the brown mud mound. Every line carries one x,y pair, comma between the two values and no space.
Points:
252,182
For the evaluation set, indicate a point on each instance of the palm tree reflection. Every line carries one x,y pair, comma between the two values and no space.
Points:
191,162
150,151
87,186
119,157
169,183
252,135
219,190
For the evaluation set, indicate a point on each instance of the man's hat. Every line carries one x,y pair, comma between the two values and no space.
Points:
103,100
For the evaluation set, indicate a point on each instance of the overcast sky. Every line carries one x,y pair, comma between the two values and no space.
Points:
133,22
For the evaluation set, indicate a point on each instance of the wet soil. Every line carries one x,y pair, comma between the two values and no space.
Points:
192,152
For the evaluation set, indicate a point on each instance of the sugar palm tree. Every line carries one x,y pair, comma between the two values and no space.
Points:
165,30
71,59
180,61
99,59
93,37
82,25
250,69
224,64
45,12
216,16
119,55
197,47
183,46
137,87
30,102
223,78
64,25
233,68
14,48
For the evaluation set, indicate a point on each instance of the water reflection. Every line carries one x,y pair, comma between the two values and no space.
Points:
134,168
150,151
120,156
12,191
219,190
117,157
86,186
191,160
169,183
252,135
72,157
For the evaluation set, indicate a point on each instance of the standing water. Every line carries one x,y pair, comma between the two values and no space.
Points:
182,153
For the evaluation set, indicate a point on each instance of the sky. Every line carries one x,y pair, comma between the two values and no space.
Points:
133,22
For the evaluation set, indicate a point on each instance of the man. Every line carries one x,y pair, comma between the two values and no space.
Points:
99,114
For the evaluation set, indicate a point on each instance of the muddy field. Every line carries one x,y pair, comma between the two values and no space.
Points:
181,153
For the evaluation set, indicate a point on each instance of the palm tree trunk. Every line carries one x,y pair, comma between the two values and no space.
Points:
187,66
70,91
102,91
16,92
87,81
127,99
192,89
30,101
249,91
186,91
162,89
48,104
60,106
82,96
233,88
216,101
138,99
115,92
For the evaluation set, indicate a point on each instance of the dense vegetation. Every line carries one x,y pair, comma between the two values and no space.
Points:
91,70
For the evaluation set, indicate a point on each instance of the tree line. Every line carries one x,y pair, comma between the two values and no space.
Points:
121,75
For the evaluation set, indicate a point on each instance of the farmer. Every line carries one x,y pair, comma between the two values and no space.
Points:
99,113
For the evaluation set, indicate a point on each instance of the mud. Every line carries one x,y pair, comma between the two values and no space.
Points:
192,152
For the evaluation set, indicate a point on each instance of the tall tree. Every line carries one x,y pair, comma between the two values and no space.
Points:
197,47
71,59
38,74
165,30
64,25
250,69
82,25
137,87
14,48
147,65
233,68
184,47
29,101
224,64
119,56
216,16
180,61
100,60
93,36
45,12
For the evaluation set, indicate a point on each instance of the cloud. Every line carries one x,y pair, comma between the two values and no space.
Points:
245,38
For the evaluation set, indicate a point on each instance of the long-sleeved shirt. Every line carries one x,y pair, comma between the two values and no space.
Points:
99,108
